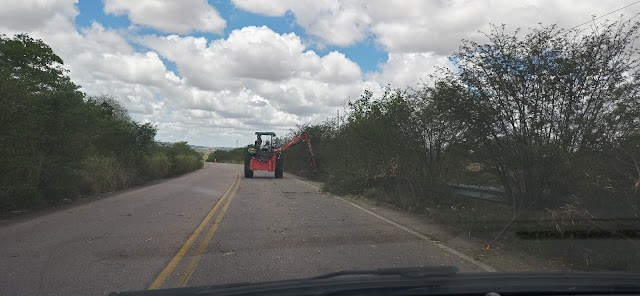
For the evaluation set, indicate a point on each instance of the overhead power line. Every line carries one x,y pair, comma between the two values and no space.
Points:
608,13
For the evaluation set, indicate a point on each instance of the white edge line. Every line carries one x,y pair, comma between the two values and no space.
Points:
415,233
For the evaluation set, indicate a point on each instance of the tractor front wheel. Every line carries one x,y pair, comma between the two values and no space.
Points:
279,168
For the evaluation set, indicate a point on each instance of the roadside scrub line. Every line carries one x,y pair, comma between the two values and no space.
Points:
166,272
413,232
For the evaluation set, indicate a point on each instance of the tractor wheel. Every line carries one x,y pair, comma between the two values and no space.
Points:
279,168
248,173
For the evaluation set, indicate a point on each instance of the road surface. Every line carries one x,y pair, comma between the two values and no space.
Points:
211,226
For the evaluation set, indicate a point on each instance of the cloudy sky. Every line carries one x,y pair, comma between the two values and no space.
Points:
213,72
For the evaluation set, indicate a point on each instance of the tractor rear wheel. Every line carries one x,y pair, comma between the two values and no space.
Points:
279,168
248,173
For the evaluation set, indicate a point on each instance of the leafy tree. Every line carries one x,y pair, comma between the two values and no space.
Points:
40,142
112,106
56,143
534,102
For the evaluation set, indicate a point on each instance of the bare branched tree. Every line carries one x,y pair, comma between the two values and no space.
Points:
535,101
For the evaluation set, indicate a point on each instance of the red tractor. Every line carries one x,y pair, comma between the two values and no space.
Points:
267,157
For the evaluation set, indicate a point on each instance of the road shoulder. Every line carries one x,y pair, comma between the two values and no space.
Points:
499,258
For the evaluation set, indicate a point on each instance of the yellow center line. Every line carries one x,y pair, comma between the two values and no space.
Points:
162,277
184,279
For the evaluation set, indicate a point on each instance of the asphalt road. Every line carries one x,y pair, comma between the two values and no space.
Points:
208,227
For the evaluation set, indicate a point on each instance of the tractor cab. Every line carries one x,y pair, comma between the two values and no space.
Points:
263,146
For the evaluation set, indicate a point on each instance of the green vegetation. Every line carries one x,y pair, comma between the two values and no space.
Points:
552,116
230,156
57,143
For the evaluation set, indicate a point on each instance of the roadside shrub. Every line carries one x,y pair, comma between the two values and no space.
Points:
20,197
156,166
103,174
231,156
185,163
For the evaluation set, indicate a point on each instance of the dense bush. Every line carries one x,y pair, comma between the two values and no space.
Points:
59,143
102,174
157,165
551,116
185,163
183,158
391,144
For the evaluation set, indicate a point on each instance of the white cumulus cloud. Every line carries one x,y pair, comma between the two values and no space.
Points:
335,22
425,26
27,15
276,67
170,16
409,69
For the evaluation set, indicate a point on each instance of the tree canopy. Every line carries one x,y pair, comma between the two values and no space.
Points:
60,143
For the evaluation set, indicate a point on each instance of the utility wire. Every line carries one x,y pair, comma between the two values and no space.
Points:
621,8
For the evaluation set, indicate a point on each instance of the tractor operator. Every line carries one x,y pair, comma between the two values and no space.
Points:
267,146
258,142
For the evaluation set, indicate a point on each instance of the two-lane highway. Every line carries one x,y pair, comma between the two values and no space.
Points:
208,227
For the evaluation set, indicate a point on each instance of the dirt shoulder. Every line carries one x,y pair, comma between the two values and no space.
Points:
502,259
499,256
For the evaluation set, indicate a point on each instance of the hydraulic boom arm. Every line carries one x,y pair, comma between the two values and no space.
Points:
303,137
